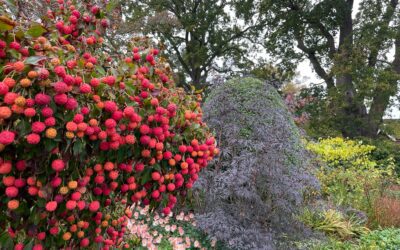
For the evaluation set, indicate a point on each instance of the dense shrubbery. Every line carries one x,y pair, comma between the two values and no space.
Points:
384,149
349,176
81,133
388,239
251,196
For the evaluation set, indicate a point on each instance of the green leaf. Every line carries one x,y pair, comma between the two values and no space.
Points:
33,60
50,144
101,70
19,34
36,219
36,30
111,5
146,175
6,242
14,53
29,245
6,24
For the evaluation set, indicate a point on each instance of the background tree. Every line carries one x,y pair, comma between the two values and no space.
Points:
272,74
350,53
200,37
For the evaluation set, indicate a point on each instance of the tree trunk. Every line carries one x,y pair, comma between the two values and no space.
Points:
382,95
351,111
376,112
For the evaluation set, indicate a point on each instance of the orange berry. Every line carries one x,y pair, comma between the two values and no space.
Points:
32,74
17,109
73,228
66,236
80,234
51,133
114,223
96,98
72,184
188,115
45,83
81,223
64,190
80,134
71,126
13,204
82,126
69,135
55,61
93,122
42,39
47,47
195,142
70,48
89,65
171,162
100,105
20,101
25,82
5,112
184,165
19,66
159,146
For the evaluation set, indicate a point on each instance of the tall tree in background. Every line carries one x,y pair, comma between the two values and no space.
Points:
202,36
349,54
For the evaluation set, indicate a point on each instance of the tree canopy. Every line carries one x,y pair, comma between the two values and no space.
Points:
351,53
200,37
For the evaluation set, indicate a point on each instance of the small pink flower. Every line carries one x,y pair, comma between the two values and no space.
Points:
181,231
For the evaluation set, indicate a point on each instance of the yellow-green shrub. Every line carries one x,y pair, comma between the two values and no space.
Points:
338,152
348,175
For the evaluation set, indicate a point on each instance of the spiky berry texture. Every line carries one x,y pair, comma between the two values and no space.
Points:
51,206
57,165
78,141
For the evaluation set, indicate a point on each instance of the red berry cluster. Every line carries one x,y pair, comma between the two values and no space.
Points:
80,134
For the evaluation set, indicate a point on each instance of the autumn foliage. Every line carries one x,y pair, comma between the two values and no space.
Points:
81,133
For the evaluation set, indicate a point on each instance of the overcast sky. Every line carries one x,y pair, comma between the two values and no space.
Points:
307,75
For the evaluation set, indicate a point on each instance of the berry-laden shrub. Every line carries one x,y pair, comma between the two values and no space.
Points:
80,133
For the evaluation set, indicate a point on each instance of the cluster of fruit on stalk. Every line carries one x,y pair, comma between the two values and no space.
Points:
81,134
